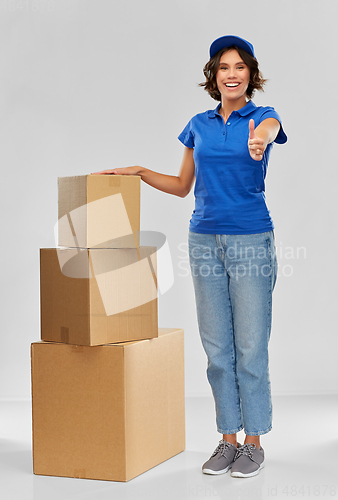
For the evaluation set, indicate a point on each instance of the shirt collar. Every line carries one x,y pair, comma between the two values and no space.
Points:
246,110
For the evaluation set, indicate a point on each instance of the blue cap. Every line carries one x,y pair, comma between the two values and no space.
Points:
228,41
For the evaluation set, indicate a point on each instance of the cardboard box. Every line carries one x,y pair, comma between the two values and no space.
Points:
99,211
98,296
107,412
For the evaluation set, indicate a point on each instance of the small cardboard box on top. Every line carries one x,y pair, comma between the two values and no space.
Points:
99,211
107,412
98,296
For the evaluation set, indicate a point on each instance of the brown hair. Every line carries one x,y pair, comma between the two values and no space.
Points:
210,69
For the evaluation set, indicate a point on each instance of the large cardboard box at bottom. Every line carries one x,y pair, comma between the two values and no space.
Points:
107,412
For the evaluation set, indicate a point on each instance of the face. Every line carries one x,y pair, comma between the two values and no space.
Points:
233,76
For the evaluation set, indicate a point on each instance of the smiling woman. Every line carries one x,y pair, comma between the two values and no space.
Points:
232,145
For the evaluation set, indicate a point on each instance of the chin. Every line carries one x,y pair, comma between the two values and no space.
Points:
234,97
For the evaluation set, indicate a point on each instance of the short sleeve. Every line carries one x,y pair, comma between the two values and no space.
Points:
269,112
187,136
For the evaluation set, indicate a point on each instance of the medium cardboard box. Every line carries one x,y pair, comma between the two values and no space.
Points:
107,412
98,296
99,211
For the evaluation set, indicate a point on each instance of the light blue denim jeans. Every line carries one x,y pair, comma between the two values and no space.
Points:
233,277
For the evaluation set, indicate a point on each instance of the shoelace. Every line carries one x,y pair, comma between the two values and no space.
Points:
221,448
246,449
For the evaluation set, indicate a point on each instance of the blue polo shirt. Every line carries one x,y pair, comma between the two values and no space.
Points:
229,188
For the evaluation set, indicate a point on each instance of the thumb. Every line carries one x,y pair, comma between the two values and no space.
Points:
251,129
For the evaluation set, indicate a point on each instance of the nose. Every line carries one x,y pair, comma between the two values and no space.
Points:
232,72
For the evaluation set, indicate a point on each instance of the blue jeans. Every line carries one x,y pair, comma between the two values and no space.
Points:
233,277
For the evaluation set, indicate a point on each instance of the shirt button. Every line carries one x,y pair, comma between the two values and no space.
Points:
228,123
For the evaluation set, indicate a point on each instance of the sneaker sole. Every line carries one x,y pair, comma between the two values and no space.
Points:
216,472
250,474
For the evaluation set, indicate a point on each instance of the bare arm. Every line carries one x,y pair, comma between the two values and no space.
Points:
178,185
261,136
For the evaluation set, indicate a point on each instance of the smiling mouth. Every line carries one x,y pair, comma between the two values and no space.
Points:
231,85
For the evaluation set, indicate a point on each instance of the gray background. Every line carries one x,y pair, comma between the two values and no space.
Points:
89,85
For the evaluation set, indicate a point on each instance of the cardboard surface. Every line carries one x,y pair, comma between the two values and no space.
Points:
108,412
99,211
98,296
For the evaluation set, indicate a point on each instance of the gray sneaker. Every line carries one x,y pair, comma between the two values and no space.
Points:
249,460
222,458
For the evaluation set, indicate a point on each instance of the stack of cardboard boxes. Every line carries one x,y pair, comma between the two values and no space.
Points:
107,383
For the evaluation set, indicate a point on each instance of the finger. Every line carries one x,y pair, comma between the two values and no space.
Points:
122,171
256,141
251,129
257,147
257,155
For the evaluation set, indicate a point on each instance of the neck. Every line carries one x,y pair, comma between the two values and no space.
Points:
228,107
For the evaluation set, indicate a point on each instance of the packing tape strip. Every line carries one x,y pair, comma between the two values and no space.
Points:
77,348
64,334
80,473
114,180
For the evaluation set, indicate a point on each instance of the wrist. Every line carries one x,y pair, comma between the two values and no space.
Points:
141,171
265,136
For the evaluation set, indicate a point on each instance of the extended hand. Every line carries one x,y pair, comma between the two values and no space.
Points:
255,144
120,171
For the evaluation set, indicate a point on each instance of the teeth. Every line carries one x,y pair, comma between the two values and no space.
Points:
232,84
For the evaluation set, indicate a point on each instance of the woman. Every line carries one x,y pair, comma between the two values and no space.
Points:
231,247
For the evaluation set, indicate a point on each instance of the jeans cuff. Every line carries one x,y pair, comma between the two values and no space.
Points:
230,431
258,433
